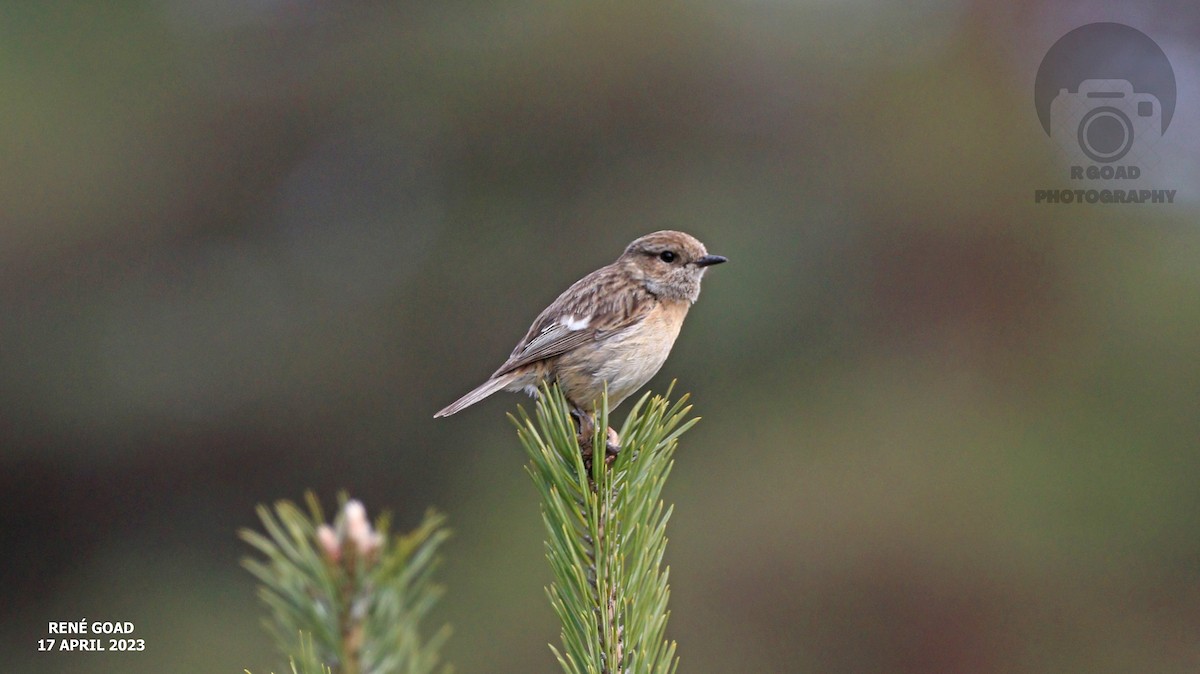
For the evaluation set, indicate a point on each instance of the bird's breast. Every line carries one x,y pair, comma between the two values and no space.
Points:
626,359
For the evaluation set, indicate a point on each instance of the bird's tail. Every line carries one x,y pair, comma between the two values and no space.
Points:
482,391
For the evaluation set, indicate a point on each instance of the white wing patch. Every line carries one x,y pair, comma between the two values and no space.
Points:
573,324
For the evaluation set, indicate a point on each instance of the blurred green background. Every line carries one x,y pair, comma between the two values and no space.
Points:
248,248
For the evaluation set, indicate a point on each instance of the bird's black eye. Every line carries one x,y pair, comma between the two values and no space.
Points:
666,256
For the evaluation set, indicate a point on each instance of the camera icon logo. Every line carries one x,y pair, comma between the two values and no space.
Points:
1105,117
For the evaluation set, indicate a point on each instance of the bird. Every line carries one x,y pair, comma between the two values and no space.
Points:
611,330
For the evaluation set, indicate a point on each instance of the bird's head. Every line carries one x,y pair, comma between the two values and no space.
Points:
669,264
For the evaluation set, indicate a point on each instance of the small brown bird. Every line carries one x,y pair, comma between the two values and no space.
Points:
613,327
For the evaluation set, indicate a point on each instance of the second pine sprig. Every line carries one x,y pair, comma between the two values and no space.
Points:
357,592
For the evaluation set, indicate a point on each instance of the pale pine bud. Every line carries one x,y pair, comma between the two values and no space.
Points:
359,530
329,543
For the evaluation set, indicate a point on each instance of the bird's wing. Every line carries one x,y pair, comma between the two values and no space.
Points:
596,306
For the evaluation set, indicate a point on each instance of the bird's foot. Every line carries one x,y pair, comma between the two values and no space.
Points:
612,446
587,427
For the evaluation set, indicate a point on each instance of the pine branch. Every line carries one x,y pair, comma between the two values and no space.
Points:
606,532
358,596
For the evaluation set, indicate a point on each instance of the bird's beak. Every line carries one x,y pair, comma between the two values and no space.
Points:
709,260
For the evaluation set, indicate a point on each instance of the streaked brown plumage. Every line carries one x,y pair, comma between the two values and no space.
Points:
614,326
